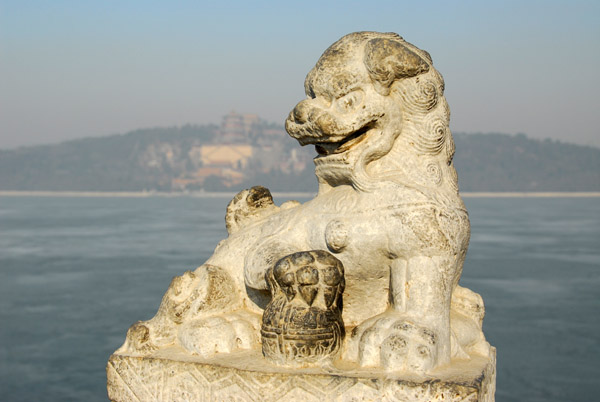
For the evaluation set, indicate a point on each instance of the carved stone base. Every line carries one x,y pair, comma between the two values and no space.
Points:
173,376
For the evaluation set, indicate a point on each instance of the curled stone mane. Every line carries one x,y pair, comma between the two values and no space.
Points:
427,117
400,69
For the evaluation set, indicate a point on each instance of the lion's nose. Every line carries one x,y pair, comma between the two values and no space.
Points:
301,111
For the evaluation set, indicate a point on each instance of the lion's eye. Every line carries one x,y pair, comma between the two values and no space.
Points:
349,102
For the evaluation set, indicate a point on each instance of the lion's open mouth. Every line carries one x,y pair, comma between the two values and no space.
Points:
329,148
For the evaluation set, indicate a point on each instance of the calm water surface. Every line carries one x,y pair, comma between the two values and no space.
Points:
75,273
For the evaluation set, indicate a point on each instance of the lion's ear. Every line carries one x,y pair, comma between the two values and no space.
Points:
387,60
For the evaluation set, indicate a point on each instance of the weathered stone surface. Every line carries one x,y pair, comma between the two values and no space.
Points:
388,209
177,377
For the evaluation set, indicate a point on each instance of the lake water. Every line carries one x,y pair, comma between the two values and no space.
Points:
75,273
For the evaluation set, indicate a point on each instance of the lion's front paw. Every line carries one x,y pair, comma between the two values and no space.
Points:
393,343
409,347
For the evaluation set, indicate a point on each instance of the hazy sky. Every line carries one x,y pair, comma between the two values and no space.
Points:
72,69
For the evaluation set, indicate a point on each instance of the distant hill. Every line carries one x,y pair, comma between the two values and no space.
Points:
501,162
103,164
246,151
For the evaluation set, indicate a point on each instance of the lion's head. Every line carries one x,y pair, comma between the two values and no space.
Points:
375,111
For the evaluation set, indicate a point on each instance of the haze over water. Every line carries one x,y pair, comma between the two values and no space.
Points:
75,273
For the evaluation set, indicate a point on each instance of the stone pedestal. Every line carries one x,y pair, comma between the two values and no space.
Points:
174,376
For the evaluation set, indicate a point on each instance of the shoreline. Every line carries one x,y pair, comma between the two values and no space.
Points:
283,194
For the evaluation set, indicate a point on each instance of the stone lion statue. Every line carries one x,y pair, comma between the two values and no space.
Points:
387,208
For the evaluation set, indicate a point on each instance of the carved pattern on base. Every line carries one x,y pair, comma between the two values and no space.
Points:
155,379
